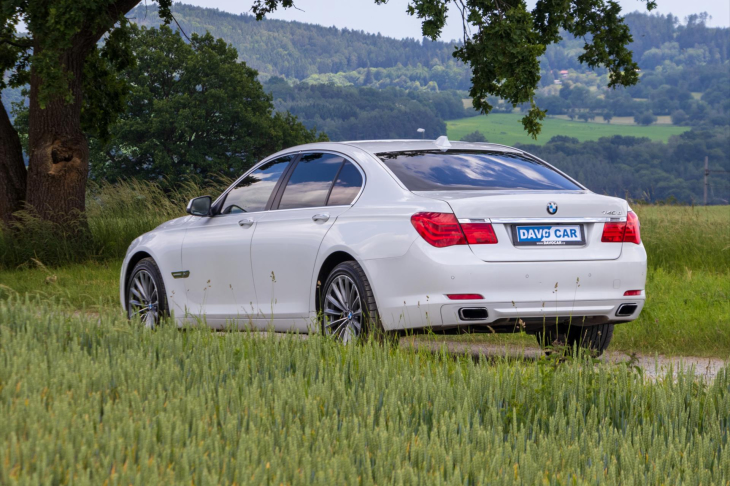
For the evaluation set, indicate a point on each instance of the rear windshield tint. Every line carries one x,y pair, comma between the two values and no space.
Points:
466,170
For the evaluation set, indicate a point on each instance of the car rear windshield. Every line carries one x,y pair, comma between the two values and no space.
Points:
470,170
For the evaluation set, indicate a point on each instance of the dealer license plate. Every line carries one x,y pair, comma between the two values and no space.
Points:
548,235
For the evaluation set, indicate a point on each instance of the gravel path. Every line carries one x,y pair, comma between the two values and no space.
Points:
653,366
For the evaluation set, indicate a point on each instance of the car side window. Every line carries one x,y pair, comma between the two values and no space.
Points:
311,181
347,186
252,193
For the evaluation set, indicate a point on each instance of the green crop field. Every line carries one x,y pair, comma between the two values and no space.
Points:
506,129
96,400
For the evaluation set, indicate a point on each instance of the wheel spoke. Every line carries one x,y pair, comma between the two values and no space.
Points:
345,292
338,296
140,287
334,323
334,302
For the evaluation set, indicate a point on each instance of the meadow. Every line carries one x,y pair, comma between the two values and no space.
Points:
96,400
88,398
506,129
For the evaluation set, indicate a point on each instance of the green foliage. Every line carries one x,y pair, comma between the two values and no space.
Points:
97,399
645,118
193,111
297,50
56,32
643,170
507,40
475,136
350,113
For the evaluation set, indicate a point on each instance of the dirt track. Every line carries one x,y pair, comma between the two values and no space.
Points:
652,366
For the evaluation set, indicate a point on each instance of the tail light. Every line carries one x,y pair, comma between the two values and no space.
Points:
622,232
479,233
443,229
438,229
632,235
630,293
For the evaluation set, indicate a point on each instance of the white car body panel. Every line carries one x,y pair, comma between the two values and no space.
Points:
285,248
231,266
216,252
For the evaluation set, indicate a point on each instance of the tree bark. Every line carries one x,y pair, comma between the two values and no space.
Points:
13,174
59,152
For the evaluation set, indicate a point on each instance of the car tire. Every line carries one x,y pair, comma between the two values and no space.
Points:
344,317
594,339
146,295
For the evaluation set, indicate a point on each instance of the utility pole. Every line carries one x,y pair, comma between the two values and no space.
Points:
707,175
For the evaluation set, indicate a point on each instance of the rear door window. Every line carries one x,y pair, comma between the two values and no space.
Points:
470,170
347,186
311,181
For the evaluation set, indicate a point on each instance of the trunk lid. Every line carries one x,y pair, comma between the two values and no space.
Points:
509,211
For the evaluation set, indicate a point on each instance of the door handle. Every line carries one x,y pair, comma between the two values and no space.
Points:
321,218
245,223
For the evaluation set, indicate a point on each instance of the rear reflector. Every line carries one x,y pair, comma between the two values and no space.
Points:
622,232
443,229
479,233
465,296
632,292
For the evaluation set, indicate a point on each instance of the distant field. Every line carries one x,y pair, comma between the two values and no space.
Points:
507,129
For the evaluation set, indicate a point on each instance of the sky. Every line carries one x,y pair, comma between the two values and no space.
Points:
391,20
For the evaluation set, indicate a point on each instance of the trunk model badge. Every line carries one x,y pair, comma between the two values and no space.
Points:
552,207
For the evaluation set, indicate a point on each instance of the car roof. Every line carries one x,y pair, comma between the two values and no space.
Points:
384,146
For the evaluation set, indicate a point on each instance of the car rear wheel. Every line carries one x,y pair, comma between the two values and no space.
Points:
348,306
595,339
146,297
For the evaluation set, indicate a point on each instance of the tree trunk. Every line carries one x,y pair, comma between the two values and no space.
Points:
13,174
59,152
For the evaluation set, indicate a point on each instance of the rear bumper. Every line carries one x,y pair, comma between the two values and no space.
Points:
411,290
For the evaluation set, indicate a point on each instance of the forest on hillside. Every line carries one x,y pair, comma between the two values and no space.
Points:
350,85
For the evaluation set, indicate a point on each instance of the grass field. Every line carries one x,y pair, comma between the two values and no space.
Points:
506,129
96,400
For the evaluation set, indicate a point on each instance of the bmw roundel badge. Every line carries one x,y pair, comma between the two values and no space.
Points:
552,207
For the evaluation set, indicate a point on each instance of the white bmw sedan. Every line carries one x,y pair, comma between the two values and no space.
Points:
357,237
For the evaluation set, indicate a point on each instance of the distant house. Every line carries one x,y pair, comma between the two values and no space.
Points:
564,73
557,81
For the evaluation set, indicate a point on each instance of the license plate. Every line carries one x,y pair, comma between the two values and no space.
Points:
548,235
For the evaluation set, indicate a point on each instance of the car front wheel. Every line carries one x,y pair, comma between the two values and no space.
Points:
146,297
348,306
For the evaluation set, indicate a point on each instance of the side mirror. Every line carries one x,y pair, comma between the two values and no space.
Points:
200,206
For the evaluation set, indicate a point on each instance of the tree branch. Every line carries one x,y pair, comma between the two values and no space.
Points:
17,44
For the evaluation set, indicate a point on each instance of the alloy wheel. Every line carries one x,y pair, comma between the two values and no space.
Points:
143,299
342,309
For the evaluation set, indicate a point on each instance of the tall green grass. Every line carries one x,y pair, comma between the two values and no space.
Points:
96,400
686,237
115,215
